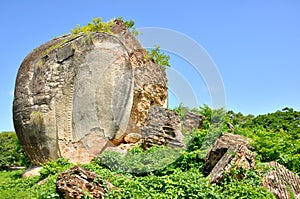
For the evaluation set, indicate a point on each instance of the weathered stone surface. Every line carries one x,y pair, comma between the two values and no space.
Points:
73,95
34,171
227,151
132,138
150,82
162,127
282,182
192,121
77,182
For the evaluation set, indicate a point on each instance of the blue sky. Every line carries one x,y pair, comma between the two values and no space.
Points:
254,44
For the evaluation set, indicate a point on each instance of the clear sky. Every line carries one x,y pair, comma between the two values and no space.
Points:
254,44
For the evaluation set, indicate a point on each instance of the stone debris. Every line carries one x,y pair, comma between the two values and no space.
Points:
229,150
192,121
77,182
281,182
162,127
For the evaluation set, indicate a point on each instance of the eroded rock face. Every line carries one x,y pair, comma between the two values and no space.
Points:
77,182
73,95
228,151
192,121
282,182
162,127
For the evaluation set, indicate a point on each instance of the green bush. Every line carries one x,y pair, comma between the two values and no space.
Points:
54,167
189,158
97,25
159,57
11,151
12,185
138,161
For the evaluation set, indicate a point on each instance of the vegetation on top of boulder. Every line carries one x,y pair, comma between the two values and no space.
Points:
129,24
97,25
159,57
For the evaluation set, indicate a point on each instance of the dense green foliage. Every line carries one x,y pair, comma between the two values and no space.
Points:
179,184
139,161
163,173
277,146
11,152
182,184
275,136
54,167
286,120
12,185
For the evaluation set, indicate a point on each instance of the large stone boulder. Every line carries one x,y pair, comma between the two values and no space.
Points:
76,94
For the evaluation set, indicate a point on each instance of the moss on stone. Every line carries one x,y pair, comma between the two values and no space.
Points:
37,118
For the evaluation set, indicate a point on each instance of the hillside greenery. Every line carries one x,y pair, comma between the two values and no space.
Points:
11,152
275,137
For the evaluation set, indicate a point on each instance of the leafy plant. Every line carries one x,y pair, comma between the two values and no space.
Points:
97,25
181,110
130,25
159,57
54,167
277,146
